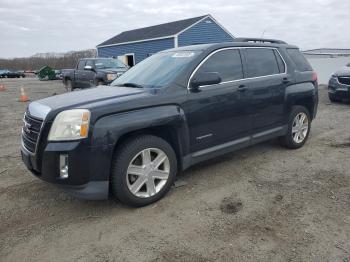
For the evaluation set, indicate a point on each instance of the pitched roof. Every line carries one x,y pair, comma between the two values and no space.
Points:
156,31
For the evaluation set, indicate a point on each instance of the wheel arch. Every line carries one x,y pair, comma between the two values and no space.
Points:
99,78
66,78
304,94
166,122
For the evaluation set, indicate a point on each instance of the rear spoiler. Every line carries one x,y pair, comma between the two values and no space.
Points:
259,40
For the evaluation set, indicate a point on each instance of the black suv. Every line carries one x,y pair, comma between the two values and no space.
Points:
175,109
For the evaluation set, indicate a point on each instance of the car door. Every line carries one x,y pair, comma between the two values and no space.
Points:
79,74
89,76
218,114
266,81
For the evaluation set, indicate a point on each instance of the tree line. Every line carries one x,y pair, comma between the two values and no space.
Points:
67,60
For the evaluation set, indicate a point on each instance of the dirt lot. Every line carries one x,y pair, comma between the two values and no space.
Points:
263,203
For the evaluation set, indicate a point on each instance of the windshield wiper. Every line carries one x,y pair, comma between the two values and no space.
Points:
131,85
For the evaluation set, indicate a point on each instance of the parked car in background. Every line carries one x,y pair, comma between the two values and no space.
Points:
3,73
93,72
14,74
339,84
169,112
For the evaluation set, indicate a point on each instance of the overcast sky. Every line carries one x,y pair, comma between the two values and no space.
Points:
35,26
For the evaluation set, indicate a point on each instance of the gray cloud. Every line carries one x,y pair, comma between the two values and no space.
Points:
32,26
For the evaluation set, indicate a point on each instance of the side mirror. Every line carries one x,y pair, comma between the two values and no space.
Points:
203,79
90,68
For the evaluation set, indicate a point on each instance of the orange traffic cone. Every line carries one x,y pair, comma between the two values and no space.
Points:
23,97
2,87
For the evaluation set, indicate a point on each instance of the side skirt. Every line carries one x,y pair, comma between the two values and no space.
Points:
231,146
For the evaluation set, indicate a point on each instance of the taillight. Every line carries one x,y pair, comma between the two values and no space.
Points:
314,77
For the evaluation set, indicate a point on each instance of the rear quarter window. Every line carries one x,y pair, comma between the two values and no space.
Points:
299,60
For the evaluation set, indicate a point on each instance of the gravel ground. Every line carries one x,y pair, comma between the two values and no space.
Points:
263,203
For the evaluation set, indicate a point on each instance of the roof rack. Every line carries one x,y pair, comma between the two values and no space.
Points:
259,40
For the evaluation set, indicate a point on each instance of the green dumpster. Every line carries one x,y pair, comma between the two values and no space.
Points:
46,73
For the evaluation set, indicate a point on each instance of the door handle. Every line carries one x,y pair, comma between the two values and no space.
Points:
285,80
242,88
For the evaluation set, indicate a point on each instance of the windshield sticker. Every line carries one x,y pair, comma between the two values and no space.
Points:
183,54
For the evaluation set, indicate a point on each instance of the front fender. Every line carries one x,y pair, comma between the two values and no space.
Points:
100,76
109,129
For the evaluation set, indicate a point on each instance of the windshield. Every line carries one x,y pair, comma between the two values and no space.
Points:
157,70
108,63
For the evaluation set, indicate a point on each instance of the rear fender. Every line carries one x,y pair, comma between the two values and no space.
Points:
304,94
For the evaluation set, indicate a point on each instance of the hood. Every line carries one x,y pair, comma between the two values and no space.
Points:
344,71
84,99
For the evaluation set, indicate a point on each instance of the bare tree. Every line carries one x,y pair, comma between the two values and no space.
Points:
68,60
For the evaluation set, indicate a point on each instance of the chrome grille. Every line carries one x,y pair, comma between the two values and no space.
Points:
345,80
30,132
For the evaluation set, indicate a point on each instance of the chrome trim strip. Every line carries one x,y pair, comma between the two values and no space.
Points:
37,142
268,132
204,136
341,83
233,48
221,146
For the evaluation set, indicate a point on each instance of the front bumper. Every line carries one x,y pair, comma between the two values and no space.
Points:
88,176
337,89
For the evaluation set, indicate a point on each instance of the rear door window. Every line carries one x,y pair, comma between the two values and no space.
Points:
299,60
227,63
261,62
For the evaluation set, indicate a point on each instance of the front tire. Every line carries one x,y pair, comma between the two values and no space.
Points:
143,170
299,126
99,82
68,85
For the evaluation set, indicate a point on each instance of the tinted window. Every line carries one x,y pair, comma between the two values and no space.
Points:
261,62
299,60
81,64
227,63
281,65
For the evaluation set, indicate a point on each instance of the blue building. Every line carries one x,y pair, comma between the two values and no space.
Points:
135,45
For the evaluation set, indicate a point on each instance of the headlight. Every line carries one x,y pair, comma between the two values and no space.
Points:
70,125
111,77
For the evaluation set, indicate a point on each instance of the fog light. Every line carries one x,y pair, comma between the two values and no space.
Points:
63,166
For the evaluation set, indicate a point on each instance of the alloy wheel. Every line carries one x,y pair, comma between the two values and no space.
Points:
148,172
300,127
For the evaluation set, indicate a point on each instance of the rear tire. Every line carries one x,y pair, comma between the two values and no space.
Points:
299,126
143,170
68,85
